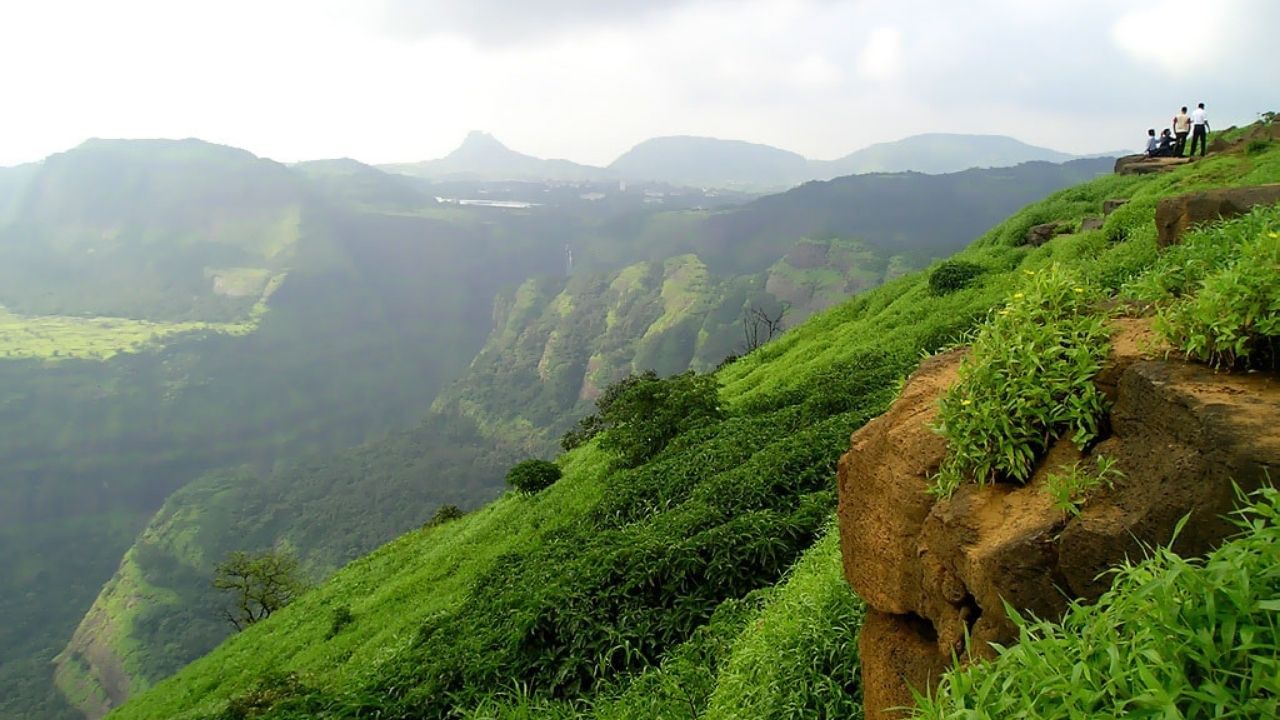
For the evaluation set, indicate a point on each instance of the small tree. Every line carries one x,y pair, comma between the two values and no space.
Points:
533,475
596,423
649,413
259,585
759,326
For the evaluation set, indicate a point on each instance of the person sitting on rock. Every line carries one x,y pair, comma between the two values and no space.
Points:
1153,143
1167,146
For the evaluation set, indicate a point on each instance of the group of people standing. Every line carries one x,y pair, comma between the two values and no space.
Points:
1173,140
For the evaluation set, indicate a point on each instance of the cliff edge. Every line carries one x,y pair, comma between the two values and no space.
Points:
937,571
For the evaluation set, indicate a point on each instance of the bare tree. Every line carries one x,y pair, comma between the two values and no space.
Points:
258,584
759,326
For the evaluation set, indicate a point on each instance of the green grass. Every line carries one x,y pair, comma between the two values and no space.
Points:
1072,487
55,337
1027,380
1173,638
1216,293
798,658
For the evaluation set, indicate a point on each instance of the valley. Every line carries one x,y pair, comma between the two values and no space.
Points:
188,405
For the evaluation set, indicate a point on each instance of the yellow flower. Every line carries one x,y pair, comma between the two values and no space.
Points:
1079,290
966,402
1273,236
1029,272
1003,312
1018,296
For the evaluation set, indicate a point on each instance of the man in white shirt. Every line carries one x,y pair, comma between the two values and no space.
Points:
1199,129
1181,128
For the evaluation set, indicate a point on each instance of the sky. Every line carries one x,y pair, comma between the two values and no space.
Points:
405,80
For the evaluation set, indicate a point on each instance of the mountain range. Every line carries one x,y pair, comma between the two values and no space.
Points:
685,160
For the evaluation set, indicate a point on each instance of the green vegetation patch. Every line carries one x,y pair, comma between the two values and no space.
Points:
1173,638
799,658
1027,380
1218,292
56,337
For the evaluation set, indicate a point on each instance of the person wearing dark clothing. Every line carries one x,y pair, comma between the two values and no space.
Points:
1181,128
1153,143
1166,146
1199,130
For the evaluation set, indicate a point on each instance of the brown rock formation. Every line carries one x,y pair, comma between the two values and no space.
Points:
933,570
1091,223
1175,215
1110,206
1143,165
1038,235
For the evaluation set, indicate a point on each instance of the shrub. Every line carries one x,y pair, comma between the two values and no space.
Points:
1234,317
342,617
1217,293
1257,146
533,475
445,513
953,275
1028,379
650,412
595,423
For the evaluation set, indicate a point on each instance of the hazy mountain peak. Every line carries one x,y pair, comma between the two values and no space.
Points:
480,144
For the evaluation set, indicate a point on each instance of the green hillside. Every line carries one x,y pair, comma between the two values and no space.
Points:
158,612
558,344
150,230
105,412
696,583
384,297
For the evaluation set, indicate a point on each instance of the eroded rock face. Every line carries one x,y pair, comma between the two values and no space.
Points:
1143,165
933,570
1175,215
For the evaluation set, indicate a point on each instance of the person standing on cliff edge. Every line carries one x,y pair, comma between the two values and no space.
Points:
1199,129
1181,128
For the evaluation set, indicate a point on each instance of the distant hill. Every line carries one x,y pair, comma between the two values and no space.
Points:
13,182
482,157
710,162
705,162
149,229
914,214
348,181
937,153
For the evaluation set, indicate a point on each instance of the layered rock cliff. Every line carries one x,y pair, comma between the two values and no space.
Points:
937,573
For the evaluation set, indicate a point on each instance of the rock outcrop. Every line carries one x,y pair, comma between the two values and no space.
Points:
1110,206
934,572
1038,235
1143,165
1176,215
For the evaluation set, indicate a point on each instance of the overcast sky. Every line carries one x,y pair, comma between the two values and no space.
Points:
398,80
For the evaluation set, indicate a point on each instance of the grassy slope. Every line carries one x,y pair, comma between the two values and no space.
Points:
158,612
751,639
150,639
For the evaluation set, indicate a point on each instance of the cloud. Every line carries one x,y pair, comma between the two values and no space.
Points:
587,80
512,22
882,55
